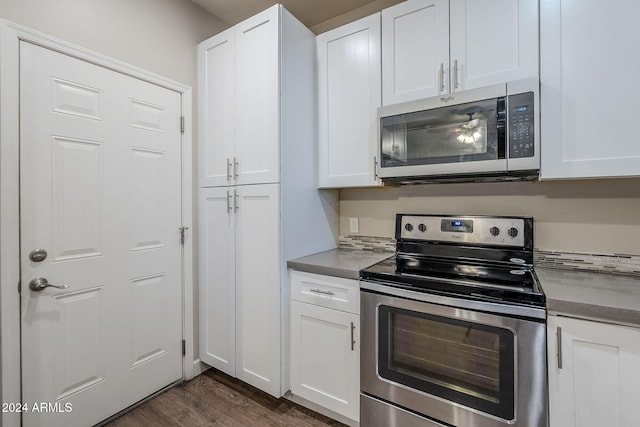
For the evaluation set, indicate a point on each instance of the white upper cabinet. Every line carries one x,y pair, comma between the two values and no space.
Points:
438,47
258,98
239,114
589,91
492,41
349,91
415,50
216,78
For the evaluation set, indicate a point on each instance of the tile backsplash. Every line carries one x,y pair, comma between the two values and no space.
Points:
367,243
601,263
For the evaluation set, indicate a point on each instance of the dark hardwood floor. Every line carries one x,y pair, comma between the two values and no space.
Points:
216,399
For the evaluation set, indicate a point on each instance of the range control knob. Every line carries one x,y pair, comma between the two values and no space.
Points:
513,232
422,228
408,227
494,231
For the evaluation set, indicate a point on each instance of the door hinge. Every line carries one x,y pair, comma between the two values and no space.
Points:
183,234
181,124
184,347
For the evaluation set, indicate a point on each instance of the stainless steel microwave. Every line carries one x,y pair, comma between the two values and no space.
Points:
485,134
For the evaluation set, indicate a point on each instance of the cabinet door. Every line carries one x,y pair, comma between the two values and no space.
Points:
415,50
216,78
258,98
597,383
349,96
492,41
325,357
258,286
217,279
589,91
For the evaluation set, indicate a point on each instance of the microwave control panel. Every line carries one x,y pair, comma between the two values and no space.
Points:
521,125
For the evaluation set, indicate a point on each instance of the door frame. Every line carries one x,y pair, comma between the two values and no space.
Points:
10,322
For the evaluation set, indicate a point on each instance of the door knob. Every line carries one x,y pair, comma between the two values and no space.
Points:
40,283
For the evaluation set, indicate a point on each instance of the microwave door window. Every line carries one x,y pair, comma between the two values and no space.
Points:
454,134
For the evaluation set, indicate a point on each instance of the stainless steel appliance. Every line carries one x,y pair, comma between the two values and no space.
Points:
491,133
453,326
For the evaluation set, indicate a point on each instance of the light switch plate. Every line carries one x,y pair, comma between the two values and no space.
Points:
353,225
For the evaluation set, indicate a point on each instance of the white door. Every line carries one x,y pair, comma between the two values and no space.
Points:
492,41
100,192
349,93
325,357
593,374
216,68
588,87
217,278
258,286
258,98
415,50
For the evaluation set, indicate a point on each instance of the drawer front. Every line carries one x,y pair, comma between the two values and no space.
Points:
326,291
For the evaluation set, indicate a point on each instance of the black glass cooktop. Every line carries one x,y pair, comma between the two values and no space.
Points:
466,279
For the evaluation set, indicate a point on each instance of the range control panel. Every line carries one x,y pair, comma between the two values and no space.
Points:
503,231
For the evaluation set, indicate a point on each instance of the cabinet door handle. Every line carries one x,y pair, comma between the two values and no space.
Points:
229,208
455,74
441,78
353,340
236,198
559,346
236,166
375,168
228,170
320,291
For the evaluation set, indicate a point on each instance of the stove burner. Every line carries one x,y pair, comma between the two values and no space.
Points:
473,267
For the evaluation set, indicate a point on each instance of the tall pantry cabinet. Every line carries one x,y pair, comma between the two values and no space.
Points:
258,202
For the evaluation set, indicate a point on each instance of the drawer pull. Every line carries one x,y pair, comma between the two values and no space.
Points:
320,291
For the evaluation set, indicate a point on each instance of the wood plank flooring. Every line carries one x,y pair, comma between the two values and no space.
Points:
216,399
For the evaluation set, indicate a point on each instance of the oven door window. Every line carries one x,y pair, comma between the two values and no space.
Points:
463,362
458,133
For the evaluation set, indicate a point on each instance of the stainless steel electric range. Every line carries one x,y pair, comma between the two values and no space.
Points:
453,326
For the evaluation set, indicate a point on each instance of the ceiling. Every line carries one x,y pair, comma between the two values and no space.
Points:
309,12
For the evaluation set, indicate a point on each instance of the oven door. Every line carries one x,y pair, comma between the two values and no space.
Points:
463,367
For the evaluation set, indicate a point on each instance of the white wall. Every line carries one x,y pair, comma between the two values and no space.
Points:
156,35
592,216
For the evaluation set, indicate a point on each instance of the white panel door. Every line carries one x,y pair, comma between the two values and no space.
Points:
216,68
258,286
217,279
100,192
597,384
349,93
258,98
492,41
415,50
588,88
325,358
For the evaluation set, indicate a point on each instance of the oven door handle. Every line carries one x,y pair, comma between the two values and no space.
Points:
403,291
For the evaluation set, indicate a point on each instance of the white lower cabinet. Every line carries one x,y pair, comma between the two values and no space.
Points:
325,342
240,289
594,374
